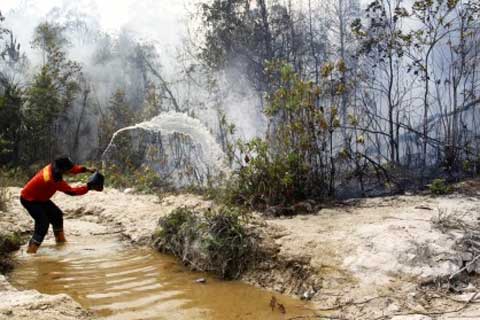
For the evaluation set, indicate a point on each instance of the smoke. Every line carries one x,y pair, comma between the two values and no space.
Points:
104,37
241,105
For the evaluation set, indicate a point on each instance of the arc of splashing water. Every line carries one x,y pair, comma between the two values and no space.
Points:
171,122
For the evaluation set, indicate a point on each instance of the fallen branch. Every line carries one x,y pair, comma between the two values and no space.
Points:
340,306
412,219
446,296
464,268
106,233
434,313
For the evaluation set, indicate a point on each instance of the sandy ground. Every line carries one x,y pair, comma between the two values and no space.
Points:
370,256
30,304
364,259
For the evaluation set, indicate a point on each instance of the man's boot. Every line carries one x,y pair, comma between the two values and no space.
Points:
32,247
59,236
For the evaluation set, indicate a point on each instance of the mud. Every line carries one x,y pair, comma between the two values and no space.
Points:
117,281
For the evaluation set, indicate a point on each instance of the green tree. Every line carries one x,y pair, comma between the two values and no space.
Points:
238,34
121,112
43,107
152,104
10,97
51,95
10,124
119,115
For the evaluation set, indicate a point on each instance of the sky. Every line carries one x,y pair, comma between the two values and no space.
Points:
112,13
163,21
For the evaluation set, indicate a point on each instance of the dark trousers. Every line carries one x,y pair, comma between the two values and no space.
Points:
44,214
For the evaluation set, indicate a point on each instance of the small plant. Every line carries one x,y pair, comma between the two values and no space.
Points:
8,244
439,187
217,241
229,245
445,220
175,229
267,179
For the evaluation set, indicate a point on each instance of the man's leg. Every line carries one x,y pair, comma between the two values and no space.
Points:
55,216
37,211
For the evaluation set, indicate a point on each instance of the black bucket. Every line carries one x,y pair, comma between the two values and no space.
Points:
95,181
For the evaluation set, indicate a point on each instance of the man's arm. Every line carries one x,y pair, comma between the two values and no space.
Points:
80,169
72,191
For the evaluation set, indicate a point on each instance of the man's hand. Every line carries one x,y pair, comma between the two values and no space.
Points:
93,187
91,170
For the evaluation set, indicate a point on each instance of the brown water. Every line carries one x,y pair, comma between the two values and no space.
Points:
116,281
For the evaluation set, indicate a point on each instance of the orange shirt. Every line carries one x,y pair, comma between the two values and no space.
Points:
42,186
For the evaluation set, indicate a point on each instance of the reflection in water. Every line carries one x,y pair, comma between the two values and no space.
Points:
118,282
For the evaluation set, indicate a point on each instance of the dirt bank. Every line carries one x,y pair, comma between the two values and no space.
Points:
30,304
366,259
362,260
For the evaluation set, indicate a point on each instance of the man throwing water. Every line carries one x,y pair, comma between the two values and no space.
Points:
36,194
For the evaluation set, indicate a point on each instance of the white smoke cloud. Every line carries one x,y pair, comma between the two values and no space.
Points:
163,23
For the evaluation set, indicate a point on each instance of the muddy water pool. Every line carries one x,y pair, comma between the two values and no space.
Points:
118,281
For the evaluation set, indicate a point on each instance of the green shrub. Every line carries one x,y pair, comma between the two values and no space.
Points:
267,179
16,176
217,241
142,179
439,187
228,244
296,160
176,229
8,244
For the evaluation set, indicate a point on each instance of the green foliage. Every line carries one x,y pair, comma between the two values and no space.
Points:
43,108
8,244
10,177
16,176
119,115
10,124
48,37
50,96
120,111
267,178
439,187
142,179
228,244
174,228
226,28
296,159
217,241
236,33
152,104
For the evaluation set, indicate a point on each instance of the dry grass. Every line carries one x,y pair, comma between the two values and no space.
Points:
4,194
